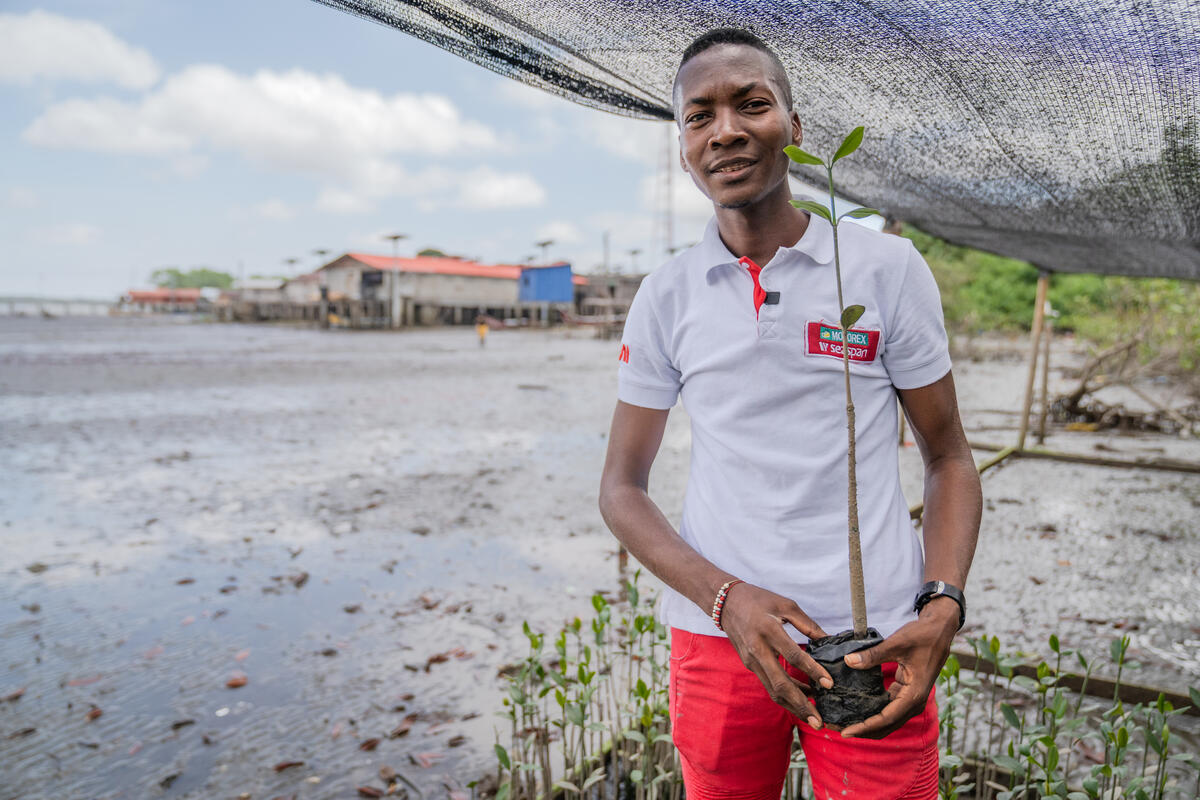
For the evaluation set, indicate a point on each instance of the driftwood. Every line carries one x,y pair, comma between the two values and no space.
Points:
1118,366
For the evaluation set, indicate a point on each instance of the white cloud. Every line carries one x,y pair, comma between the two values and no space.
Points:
342,201
68,233
631,139
41,45
561,231
485,188
20,197
295,121
274,209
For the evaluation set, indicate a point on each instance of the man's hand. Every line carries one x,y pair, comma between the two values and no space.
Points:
753,618
919,649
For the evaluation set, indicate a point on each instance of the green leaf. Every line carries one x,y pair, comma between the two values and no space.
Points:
860,213
636,736
801,157
1194,693
851,315
1008,762
565,784
815,208
849,144
597,775
502,754
1054,642
1010,714
504,791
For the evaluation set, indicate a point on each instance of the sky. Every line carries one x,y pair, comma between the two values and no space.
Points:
139,135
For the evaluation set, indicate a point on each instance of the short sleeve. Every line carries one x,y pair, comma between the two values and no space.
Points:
646,375
916,352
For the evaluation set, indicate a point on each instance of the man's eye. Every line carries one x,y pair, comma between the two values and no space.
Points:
695,118
756,104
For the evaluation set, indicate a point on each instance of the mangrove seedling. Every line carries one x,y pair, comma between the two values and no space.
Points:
856,694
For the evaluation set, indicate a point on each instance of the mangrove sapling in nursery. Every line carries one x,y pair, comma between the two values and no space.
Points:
856,694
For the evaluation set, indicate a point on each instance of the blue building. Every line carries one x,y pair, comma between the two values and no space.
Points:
549,284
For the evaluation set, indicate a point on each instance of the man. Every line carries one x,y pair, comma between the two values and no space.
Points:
740,327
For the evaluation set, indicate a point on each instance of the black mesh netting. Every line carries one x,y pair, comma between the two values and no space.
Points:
1062,132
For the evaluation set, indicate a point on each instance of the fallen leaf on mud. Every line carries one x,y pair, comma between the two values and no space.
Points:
227,588
370,791
93,713
12,696
403,728
368,744
428,603
207,739
1036,580
282,765
457,741
237,681
299,580
242,655
155,651
183,723
296,552
187,620
472,715
426,760
134,748
32,608
84,681
89,745
337,731
354,609
421,530
37,567
328,651
185,581
436,658
387,773
22,732
407,696
167,781
1062,562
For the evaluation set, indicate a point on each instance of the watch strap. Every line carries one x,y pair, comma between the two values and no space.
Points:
942,589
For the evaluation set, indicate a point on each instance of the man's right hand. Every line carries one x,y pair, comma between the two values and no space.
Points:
753,618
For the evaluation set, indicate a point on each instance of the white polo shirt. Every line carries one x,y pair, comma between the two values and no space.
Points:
766,494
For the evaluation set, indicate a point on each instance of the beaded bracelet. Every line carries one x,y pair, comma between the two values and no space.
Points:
719,603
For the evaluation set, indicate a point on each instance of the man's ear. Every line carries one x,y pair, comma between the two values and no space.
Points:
682,164
797,129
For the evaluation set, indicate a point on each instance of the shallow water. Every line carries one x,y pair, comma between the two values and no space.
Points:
166,485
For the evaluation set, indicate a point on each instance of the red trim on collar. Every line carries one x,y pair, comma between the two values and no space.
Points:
760,294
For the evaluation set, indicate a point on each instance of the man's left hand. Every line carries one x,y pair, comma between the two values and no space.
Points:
919,650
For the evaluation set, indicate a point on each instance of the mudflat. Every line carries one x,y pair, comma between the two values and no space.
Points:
231,547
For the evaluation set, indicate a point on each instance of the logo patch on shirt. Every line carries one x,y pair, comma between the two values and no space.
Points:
823,339
624,354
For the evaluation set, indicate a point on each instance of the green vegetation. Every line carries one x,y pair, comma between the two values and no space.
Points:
588,718
198,278
985,292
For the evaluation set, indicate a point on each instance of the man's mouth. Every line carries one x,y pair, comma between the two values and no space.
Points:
732,166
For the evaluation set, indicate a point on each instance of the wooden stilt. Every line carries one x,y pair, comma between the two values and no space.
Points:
1047,336
1039,315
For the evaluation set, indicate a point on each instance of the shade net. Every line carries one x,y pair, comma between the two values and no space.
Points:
1062,132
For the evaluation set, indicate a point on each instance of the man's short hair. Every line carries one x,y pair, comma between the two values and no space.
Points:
736,36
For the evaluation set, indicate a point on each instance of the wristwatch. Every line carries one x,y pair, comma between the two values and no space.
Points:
942,589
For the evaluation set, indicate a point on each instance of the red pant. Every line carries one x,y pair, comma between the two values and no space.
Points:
734,742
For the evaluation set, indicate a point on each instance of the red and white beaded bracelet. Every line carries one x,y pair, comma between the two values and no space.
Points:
719,603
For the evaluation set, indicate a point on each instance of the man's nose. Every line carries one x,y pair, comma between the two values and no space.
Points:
726,129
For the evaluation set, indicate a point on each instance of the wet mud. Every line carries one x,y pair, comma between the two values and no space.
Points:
273,561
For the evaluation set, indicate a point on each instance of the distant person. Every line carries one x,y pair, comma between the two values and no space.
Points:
760,562
481,329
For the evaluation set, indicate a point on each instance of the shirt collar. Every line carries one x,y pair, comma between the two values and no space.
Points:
816,244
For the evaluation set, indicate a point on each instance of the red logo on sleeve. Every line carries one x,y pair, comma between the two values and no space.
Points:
624,354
